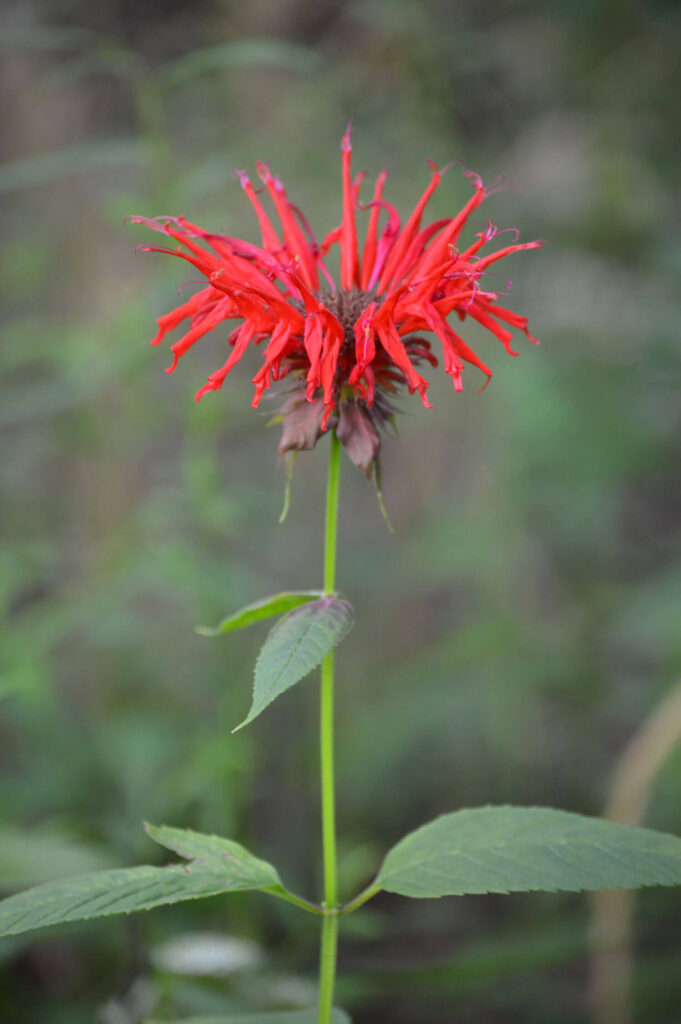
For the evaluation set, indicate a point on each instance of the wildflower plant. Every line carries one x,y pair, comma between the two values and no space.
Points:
344,349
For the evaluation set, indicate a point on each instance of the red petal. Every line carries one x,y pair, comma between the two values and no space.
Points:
369,254
497,330
349,263
270,239
295,240
493,257
410,230
449,236
170,321
215,381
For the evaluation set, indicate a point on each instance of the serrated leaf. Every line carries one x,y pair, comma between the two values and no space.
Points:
283,1017
277,604
295,646
217,866
522,849
216,853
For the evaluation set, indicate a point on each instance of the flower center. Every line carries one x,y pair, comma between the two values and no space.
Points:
346,306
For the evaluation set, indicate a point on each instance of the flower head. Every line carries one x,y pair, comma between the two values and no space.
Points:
347,346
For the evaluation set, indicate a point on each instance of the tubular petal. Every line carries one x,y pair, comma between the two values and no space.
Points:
410,230
348,234
270,239
369,254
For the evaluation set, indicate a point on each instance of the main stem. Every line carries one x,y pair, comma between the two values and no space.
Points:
327,960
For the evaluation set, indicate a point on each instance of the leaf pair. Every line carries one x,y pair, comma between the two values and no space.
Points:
312,626
485,849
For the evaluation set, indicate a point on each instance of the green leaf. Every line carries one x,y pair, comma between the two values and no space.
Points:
521,849
215,853
295,646
217,866
265,609
283,1017
218,854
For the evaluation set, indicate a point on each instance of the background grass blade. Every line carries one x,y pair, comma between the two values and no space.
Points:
53,165
243,54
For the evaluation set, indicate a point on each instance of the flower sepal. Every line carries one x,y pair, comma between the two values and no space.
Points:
359,435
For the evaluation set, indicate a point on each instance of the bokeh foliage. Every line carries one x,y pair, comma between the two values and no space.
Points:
511,635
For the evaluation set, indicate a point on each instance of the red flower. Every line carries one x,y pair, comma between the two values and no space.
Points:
349,346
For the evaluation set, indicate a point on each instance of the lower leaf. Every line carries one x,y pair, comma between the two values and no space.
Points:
108,892
523,849
215,866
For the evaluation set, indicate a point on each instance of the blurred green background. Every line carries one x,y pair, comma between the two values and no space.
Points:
514,632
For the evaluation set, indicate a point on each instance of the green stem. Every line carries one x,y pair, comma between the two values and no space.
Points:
327,962
331,533
327,967
359,901
297,901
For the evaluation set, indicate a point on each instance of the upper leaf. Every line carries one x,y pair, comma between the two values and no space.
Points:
277,604
295,646
217,866
520,849
283,1017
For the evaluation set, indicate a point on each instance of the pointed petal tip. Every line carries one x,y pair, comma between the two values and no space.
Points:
244,180
210,386
346,144
422,388
473,177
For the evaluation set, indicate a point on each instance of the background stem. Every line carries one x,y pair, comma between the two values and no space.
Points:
327,965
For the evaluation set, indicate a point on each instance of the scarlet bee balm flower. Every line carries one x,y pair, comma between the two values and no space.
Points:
348,350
